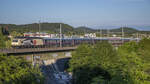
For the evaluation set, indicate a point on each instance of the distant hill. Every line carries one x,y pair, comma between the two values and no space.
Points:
82,29
125,29
67,29
117,30
44,27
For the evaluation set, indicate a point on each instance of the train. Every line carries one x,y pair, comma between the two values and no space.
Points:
38,42
27,42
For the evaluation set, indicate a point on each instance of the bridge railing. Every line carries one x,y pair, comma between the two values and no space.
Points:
29,50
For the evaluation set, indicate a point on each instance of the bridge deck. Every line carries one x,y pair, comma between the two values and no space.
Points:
35,50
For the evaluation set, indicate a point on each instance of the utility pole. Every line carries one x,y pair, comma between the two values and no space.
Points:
107,33
122,34
101,33
39,26
85,30
137,35
60,36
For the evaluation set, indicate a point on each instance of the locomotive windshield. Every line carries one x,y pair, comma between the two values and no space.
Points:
15,40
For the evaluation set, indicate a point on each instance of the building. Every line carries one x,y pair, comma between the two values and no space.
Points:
90,35
37,34
43,34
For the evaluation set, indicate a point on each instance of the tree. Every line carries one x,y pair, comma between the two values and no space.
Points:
104,54
144,53
131,65
103,64
128,68
144,49
99,80
89,62
14,70
2,39
5,31
79,59
14,34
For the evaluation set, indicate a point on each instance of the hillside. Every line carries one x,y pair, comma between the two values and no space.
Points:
66,29
82,29
117,30
45,27
125,29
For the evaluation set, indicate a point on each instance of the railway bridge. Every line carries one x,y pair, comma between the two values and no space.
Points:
11,51
36,54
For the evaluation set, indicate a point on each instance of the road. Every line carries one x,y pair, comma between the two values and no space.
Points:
53,74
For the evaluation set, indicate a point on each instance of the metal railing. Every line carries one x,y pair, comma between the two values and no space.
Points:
30,50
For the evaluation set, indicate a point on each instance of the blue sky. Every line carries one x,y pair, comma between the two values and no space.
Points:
92,13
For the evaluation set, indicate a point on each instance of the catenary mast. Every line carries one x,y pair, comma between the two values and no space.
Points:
122,34
60,35
39,26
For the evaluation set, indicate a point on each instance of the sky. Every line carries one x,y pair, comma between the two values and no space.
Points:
91,13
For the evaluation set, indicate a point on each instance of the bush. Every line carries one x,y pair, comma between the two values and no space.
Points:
15,70
103,64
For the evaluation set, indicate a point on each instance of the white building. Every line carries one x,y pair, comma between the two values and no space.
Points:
90,35
42,34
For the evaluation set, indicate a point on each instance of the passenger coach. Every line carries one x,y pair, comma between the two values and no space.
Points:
35,42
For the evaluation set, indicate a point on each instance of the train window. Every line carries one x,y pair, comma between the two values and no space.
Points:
15,40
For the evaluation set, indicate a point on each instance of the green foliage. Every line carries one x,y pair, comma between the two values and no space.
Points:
86,64
66,29
126,30
129,47
80,57
144,53
15,33
2,39
99,80
8,43
79,64
5,42
45,27
103,64
145,46
132,67
105,52
15,70
5,31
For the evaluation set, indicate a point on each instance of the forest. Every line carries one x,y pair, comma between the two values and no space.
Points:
104,64
15,69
